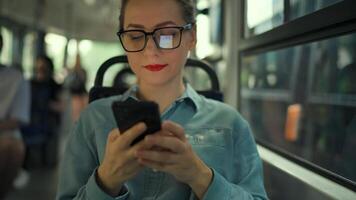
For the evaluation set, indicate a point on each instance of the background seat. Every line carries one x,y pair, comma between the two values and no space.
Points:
99,91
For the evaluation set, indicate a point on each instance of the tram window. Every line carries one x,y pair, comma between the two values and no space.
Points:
216,26
93,54
71,52
299,8
55,48
6,53
29,54
333,65
265,15
209,28
326,128
268,70
258,22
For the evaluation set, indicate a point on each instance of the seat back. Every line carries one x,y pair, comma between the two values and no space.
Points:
99,91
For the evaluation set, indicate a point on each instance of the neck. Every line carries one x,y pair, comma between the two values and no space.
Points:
163,95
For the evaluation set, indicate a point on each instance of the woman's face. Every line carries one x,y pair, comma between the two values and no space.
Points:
148,15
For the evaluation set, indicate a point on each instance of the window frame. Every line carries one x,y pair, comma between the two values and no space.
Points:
306,29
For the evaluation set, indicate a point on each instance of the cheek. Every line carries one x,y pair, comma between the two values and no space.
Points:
133,63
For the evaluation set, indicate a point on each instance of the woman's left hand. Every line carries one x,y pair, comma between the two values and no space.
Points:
169,151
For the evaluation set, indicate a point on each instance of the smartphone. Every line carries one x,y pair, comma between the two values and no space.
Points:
130,112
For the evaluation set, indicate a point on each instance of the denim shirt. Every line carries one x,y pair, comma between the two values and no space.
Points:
217,133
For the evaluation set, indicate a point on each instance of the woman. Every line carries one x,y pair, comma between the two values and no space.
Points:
204,150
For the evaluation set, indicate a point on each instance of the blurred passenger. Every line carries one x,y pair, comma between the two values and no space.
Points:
14,111
77,79
46,108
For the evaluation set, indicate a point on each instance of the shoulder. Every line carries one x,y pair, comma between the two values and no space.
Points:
210,105
220,113
100,110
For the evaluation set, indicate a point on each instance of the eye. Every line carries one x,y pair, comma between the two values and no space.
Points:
135,35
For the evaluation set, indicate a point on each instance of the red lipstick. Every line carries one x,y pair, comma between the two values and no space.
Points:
155,67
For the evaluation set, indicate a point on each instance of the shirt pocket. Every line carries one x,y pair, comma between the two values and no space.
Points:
213,146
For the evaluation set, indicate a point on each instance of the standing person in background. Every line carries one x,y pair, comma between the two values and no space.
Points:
205,149
46,109
14,111
76,81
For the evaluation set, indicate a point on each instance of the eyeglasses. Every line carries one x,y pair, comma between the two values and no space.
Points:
164,38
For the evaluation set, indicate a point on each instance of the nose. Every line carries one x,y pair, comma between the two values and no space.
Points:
151,47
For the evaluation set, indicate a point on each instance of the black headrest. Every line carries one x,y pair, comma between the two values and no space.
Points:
99,91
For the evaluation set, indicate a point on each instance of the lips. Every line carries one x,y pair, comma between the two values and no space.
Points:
155,67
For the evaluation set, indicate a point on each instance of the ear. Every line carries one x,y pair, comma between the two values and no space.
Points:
193,38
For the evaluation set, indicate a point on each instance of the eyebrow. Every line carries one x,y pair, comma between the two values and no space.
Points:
156,26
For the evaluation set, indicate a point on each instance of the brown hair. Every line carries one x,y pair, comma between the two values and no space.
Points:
187,6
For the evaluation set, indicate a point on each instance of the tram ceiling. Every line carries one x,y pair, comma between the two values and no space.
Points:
81,19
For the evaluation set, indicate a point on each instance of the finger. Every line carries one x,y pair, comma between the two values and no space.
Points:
142,145
165,133
175,129
113,135
164,157
131,134
166,142
137,147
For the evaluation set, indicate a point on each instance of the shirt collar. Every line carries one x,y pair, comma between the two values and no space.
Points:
189,94
131,93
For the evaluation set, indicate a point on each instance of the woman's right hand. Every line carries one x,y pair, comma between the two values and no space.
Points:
119,163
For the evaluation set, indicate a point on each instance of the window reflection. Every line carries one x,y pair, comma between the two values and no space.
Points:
269,70
319,79
264,15
299,8
334,65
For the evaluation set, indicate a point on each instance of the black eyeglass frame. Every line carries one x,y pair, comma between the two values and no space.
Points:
188,26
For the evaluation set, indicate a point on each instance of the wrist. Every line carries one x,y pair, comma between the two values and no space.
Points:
202,181
105,183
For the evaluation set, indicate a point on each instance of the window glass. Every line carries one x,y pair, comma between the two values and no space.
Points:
93,54
315,117
268,70
209,28
29,54
264,15
71,53
299,8
333,66
6,53
55,49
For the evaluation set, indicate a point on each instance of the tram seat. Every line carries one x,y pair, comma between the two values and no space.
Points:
99,91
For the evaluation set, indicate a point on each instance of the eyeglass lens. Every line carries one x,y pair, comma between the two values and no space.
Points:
165,38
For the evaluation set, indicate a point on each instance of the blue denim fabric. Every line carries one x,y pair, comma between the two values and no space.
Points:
217,133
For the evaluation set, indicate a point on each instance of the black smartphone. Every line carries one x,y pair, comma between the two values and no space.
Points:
130,112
